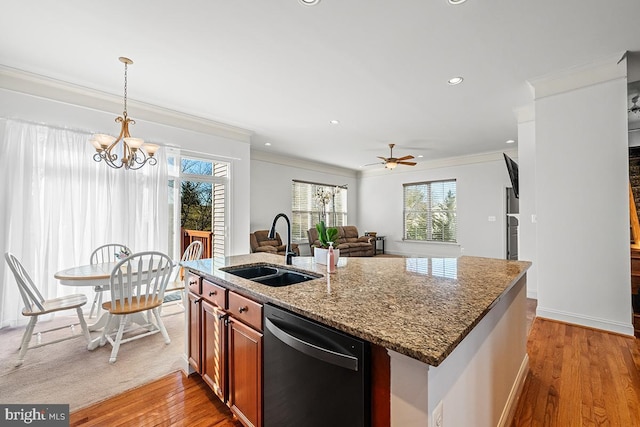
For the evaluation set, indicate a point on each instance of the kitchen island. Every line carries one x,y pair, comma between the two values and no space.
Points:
454,328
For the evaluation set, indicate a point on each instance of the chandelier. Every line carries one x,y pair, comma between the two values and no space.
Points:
123,151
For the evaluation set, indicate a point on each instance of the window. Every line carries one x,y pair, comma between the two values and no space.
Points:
313,202
199,185
430,211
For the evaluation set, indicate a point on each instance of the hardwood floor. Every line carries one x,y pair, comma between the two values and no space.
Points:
578,377
174,400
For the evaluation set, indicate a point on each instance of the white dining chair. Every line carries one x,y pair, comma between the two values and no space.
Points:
35,305
137,287
176,284
104,253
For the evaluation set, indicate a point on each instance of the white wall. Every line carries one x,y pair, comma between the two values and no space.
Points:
271,181
581,161
17,105
481,183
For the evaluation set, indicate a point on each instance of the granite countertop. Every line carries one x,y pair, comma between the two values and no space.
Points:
420,307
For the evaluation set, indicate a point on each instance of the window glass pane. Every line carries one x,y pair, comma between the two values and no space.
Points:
196,212
312,203
197,167
430,211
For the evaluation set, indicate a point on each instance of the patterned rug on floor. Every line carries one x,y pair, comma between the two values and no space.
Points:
68,373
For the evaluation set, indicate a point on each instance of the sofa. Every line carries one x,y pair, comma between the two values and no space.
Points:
349,242
260,242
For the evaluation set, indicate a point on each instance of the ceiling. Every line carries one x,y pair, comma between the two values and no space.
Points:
284,70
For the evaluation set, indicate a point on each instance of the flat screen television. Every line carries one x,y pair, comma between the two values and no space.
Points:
512,168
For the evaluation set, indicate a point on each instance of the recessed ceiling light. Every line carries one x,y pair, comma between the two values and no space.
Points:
334,122
456,1
455,81
510,141
268,144
309,2
420,156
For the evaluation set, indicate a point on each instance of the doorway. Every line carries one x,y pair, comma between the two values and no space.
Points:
198,202
512,223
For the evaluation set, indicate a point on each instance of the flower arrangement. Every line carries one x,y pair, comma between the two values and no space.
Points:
122,254
323,198
326,235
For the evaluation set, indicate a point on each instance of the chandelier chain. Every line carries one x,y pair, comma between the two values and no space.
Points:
125,89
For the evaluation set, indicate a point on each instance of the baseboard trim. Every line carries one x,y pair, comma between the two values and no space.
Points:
590,322
509,410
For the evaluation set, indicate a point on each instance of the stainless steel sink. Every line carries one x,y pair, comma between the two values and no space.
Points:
270,274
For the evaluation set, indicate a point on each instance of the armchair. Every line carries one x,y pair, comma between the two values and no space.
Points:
260,242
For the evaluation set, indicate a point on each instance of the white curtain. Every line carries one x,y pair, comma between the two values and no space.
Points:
58,205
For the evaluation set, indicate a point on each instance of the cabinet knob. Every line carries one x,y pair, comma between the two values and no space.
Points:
195,282
243,309
212,293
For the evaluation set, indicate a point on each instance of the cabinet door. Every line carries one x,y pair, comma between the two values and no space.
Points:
194,331
245,373
214,333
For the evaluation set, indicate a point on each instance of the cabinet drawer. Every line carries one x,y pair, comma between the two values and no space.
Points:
193,282
246,310
214,294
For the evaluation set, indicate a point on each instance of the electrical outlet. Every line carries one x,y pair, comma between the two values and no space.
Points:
436,417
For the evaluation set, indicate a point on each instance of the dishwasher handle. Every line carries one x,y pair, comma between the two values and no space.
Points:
346,361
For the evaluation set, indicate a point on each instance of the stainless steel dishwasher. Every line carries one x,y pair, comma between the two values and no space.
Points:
313,375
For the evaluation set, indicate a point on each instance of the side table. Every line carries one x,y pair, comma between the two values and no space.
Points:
379,239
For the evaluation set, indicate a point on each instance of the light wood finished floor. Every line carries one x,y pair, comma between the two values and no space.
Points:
173,400
578,377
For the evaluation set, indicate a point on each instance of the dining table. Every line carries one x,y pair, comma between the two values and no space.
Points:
94,275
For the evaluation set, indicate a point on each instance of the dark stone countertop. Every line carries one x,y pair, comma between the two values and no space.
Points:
420,307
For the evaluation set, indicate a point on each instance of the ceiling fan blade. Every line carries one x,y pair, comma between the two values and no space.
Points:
384,159
407,163
376,163
405,158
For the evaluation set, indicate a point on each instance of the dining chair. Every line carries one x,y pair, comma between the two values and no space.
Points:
104,253
35,305
176,284
137,287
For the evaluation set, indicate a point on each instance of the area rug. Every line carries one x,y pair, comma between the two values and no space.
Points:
68,373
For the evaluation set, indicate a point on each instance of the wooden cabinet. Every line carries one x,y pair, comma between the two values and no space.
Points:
194,336
214,343
245,359
635,288
225,346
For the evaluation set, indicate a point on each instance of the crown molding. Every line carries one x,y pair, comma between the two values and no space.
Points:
295,162
57,90
447,162
610,68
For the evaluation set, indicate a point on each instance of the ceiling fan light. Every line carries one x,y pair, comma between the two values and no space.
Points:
391,165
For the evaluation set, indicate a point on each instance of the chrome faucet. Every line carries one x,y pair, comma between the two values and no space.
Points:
272,234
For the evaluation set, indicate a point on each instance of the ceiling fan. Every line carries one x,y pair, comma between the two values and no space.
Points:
391,162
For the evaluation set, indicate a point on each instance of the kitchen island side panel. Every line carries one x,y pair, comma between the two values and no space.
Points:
478,383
